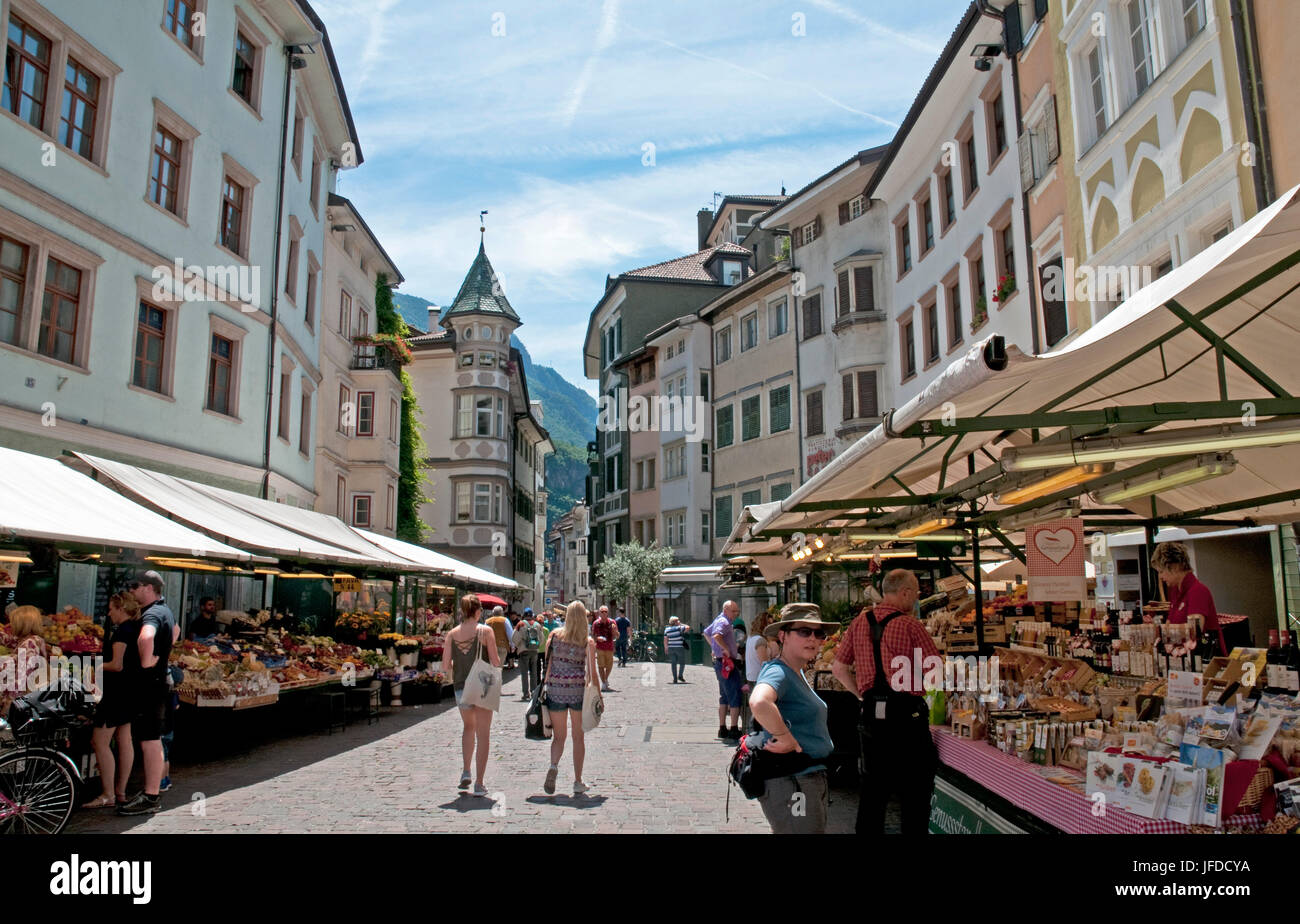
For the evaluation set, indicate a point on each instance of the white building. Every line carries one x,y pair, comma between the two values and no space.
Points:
132,146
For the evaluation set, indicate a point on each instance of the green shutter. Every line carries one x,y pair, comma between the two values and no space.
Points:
726,426
779,408
751,418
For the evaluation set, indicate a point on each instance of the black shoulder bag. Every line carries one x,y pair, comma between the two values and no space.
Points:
882,703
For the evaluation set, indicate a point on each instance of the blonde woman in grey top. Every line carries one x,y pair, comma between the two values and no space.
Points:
464,644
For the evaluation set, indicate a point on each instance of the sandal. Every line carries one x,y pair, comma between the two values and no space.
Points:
100,802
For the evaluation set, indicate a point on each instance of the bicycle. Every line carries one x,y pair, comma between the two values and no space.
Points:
38,782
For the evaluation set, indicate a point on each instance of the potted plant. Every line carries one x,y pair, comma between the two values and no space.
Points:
408,651
1006,287
980,315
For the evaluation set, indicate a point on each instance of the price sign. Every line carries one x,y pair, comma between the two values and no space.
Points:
347,585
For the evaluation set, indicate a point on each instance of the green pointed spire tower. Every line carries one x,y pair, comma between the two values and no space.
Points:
481,294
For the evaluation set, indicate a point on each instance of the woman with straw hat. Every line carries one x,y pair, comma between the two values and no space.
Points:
793,718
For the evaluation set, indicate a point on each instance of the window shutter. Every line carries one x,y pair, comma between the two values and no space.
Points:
863,290
1040,9
1026,161
843,301
817,227
814,413
1051,131
1011,34
846,383
844,213
868,403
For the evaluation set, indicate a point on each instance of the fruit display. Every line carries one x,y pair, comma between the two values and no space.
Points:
73,632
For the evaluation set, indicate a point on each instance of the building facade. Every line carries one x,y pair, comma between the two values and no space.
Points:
156,188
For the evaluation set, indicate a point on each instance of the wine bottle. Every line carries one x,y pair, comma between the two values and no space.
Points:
1291,662
1274,669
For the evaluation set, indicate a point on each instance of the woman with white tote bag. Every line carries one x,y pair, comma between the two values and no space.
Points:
571,679
470,658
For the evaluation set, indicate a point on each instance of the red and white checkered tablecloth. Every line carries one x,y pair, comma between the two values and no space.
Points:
1018,783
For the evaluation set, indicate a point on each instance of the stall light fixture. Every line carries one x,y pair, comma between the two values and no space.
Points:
895,537
267,569
1202,468
1061,511
1076,474
1189,440
925,527
185,564
20,557
866,556
315,575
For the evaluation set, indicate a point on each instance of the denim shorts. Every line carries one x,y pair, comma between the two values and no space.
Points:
556,706
728,687
459,694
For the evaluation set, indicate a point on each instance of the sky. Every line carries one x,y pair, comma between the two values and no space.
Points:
592,132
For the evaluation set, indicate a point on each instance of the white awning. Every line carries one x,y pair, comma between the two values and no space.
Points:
40,498
208,509
1141,354
1139,537
691,574
436,561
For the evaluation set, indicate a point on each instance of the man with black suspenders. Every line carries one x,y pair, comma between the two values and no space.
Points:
898,754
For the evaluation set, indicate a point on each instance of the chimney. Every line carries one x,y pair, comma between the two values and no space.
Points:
703,219
434,311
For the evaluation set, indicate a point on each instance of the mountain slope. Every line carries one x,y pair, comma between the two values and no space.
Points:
568,413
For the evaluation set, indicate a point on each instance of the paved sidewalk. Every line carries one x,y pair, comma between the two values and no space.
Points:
654,765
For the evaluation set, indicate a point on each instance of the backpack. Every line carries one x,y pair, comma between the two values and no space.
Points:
534,637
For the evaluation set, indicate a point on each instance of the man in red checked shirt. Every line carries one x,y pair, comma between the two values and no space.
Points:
605,632
898,754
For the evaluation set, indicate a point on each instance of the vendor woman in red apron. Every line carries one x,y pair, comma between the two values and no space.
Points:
1188,597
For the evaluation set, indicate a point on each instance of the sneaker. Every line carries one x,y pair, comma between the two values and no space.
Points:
607,689
465,780
580,787
723,733
141,805
480,791
549,786
165,785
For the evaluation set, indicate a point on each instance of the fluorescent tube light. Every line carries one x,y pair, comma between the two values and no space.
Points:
894,537
1203,467
1185,441
1041,515
922,527
1068,478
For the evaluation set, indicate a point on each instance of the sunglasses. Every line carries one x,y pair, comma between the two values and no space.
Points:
805,632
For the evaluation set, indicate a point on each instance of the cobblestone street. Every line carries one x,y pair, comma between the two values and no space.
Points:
654,766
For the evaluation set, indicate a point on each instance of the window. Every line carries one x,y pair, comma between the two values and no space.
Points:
981,286
340,496
244,79
813,413
365,413
909,350
704,386
291,267
1141,44
856,290
997,128
304,423
316,159
704,527
778,409
178,20
313,280
27,73
808,233
749,331
777,319
927,223
286,383
704,457
931,314
954,313
1096,99
751,498
751,418
1056,319
1223,232
731,272
722,345
1007,252
855,207
80,104
971,167
363,323
13,283
150,345
865,384
220,365
393,421
722,519
345,409
361,510
345,312
483,416
482,502
232,216
949,200
1193,18
164,172
812,316
725,426
668,355
1163,268
391,506
501,418
904,247
299,126
59,312
487,359
780,492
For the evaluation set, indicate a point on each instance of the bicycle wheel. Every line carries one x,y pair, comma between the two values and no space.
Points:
37,793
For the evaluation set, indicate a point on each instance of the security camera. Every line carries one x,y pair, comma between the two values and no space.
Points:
983,64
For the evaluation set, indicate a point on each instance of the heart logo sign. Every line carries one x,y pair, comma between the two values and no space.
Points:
1055,544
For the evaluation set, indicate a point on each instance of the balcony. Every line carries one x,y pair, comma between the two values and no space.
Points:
367,354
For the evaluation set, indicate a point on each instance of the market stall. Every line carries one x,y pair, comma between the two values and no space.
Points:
1176,410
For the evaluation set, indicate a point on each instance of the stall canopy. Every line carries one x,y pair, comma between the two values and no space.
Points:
436,561
250,525
45,500
1198,364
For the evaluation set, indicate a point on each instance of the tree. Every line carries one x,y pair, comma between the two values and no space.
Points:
632,571
411,477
